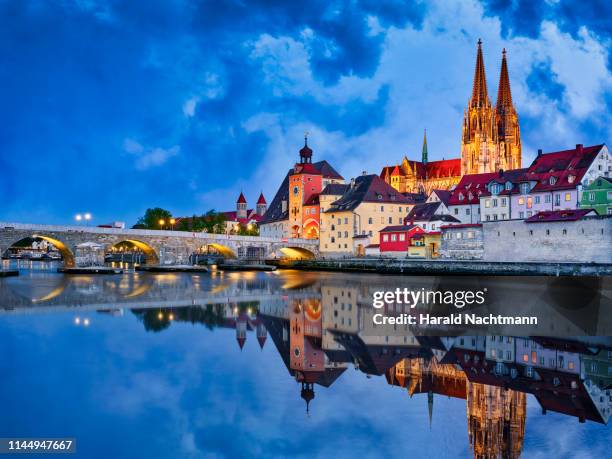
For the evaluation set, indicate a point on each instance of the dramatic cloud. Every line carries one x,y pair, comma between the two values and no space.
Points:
164,104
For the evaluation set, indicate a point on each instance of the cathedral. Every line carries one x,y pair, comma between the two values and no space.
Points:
490,140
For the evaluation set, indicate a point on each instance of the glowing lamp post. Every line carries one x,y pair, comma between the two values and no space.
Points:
161,222
172,222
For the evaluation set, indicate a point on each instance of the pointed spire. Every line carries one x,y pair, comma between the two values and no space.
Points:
424,151
504,96
241,199
480,97
305,152
261,199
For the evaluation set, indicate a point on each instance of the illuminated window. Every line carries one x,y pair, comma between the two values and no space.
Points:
568,196
525,358
521,201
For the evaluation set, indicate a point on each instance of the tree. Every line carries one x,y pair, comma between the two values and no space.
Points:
151,218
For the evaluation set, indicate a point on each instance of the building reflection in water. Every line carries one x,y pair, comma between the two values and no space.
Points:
320,327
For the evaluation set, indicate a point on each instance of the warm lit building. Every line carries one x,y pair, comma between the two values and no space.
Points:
491,138
422,176
295,209
368,205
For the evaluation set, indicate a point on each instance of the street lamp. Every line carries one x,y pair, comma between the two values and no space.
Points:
78,217
87,217
172,222
161,222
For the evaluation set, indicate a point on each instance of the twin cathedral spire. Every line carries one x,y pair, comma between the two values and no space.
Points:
491,137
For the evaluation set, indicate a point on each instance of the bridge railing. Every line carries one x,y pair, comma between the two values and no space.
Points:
151,233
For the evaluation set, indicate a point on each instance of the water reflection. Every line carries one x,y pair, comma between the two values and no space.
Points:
320,326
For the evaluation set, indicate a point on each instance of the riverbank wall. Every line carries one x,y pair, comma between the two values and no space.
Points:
449,268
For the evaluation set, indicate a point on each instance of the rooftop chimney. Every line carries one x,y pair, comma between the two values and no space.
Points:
579,148
539,152
352,183
364,172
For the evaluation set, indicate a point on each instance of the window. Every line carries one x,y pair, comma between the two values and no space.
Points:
456,211
400,221
537,199
524,188
547,199
385,237
370,221
521,201
346,234
495,203
568,196
570,365
467,211
565,232
390,220
557,199
487,203
345,220
382,208
529,202
470,234
503,202
393,237
521,214
402,237
458,235
339,221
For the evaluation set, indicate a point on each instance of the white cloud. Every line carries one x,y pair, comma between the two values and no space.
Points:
145,158
189,107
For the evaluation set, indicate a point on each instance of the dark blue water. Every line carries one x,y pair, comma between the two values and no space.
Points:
185,388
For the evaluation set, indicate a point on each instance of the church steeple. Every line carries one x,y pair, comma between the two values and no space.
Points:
480,96
504,96
424,151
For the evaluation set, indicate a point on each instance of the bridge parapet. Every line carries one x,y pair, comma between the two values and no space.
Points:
168,247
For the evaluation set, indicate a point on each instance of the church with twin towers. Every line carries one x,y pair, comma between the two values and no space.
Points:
490,140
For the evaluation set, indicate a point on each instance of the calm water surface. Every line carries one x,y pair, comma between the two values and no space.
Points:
277,365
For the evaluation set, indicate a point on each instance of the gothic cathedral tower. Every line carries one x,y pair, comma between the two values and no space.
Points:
490,136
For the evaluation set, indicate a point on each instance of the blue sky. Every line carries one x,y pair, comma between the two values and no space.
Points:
109,107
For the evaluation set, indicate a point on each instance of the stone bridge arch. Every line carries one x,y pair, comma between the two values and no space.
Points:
151,253
297,252
62,247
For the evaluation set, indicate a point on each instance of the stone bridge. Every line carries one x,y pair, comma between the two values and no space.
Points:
159,247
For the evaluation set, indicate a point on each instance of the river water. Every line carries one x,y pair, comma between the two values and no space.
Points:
289,364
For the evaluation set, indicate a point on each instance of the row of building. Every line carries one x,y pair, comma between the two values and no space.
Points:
411,208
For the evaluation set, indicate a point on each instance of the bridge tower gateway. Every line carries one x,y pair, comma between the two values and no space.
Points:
176,246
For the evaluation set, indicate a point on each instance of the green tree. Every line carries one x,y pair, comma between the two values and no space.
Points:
151,218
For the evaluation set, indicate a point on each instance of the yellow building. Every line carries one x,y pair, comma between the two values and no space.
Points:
425,245
367,206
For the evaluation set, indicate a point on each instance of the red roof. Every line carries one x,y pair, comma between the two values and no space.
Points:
396,228
251,216
470,188
567,168
559,215
261,199
241,199
312,200
432,169
306,168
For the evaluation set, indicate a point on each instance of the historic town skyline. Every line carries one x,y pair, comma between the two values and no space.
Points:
197,123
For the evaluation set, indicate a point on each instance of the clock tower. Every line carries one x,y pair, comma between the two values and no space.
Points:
305,184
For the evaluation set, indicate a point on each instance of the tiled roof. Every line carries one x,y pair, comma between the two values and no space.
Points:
443,195
423,211
471,187
463,225
335,189
368,188
241,199
559,215
416,198
431,169
388,229
261,199
562,166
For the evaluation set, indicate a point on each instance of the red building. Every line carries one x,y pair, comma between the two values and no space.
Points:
397,238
